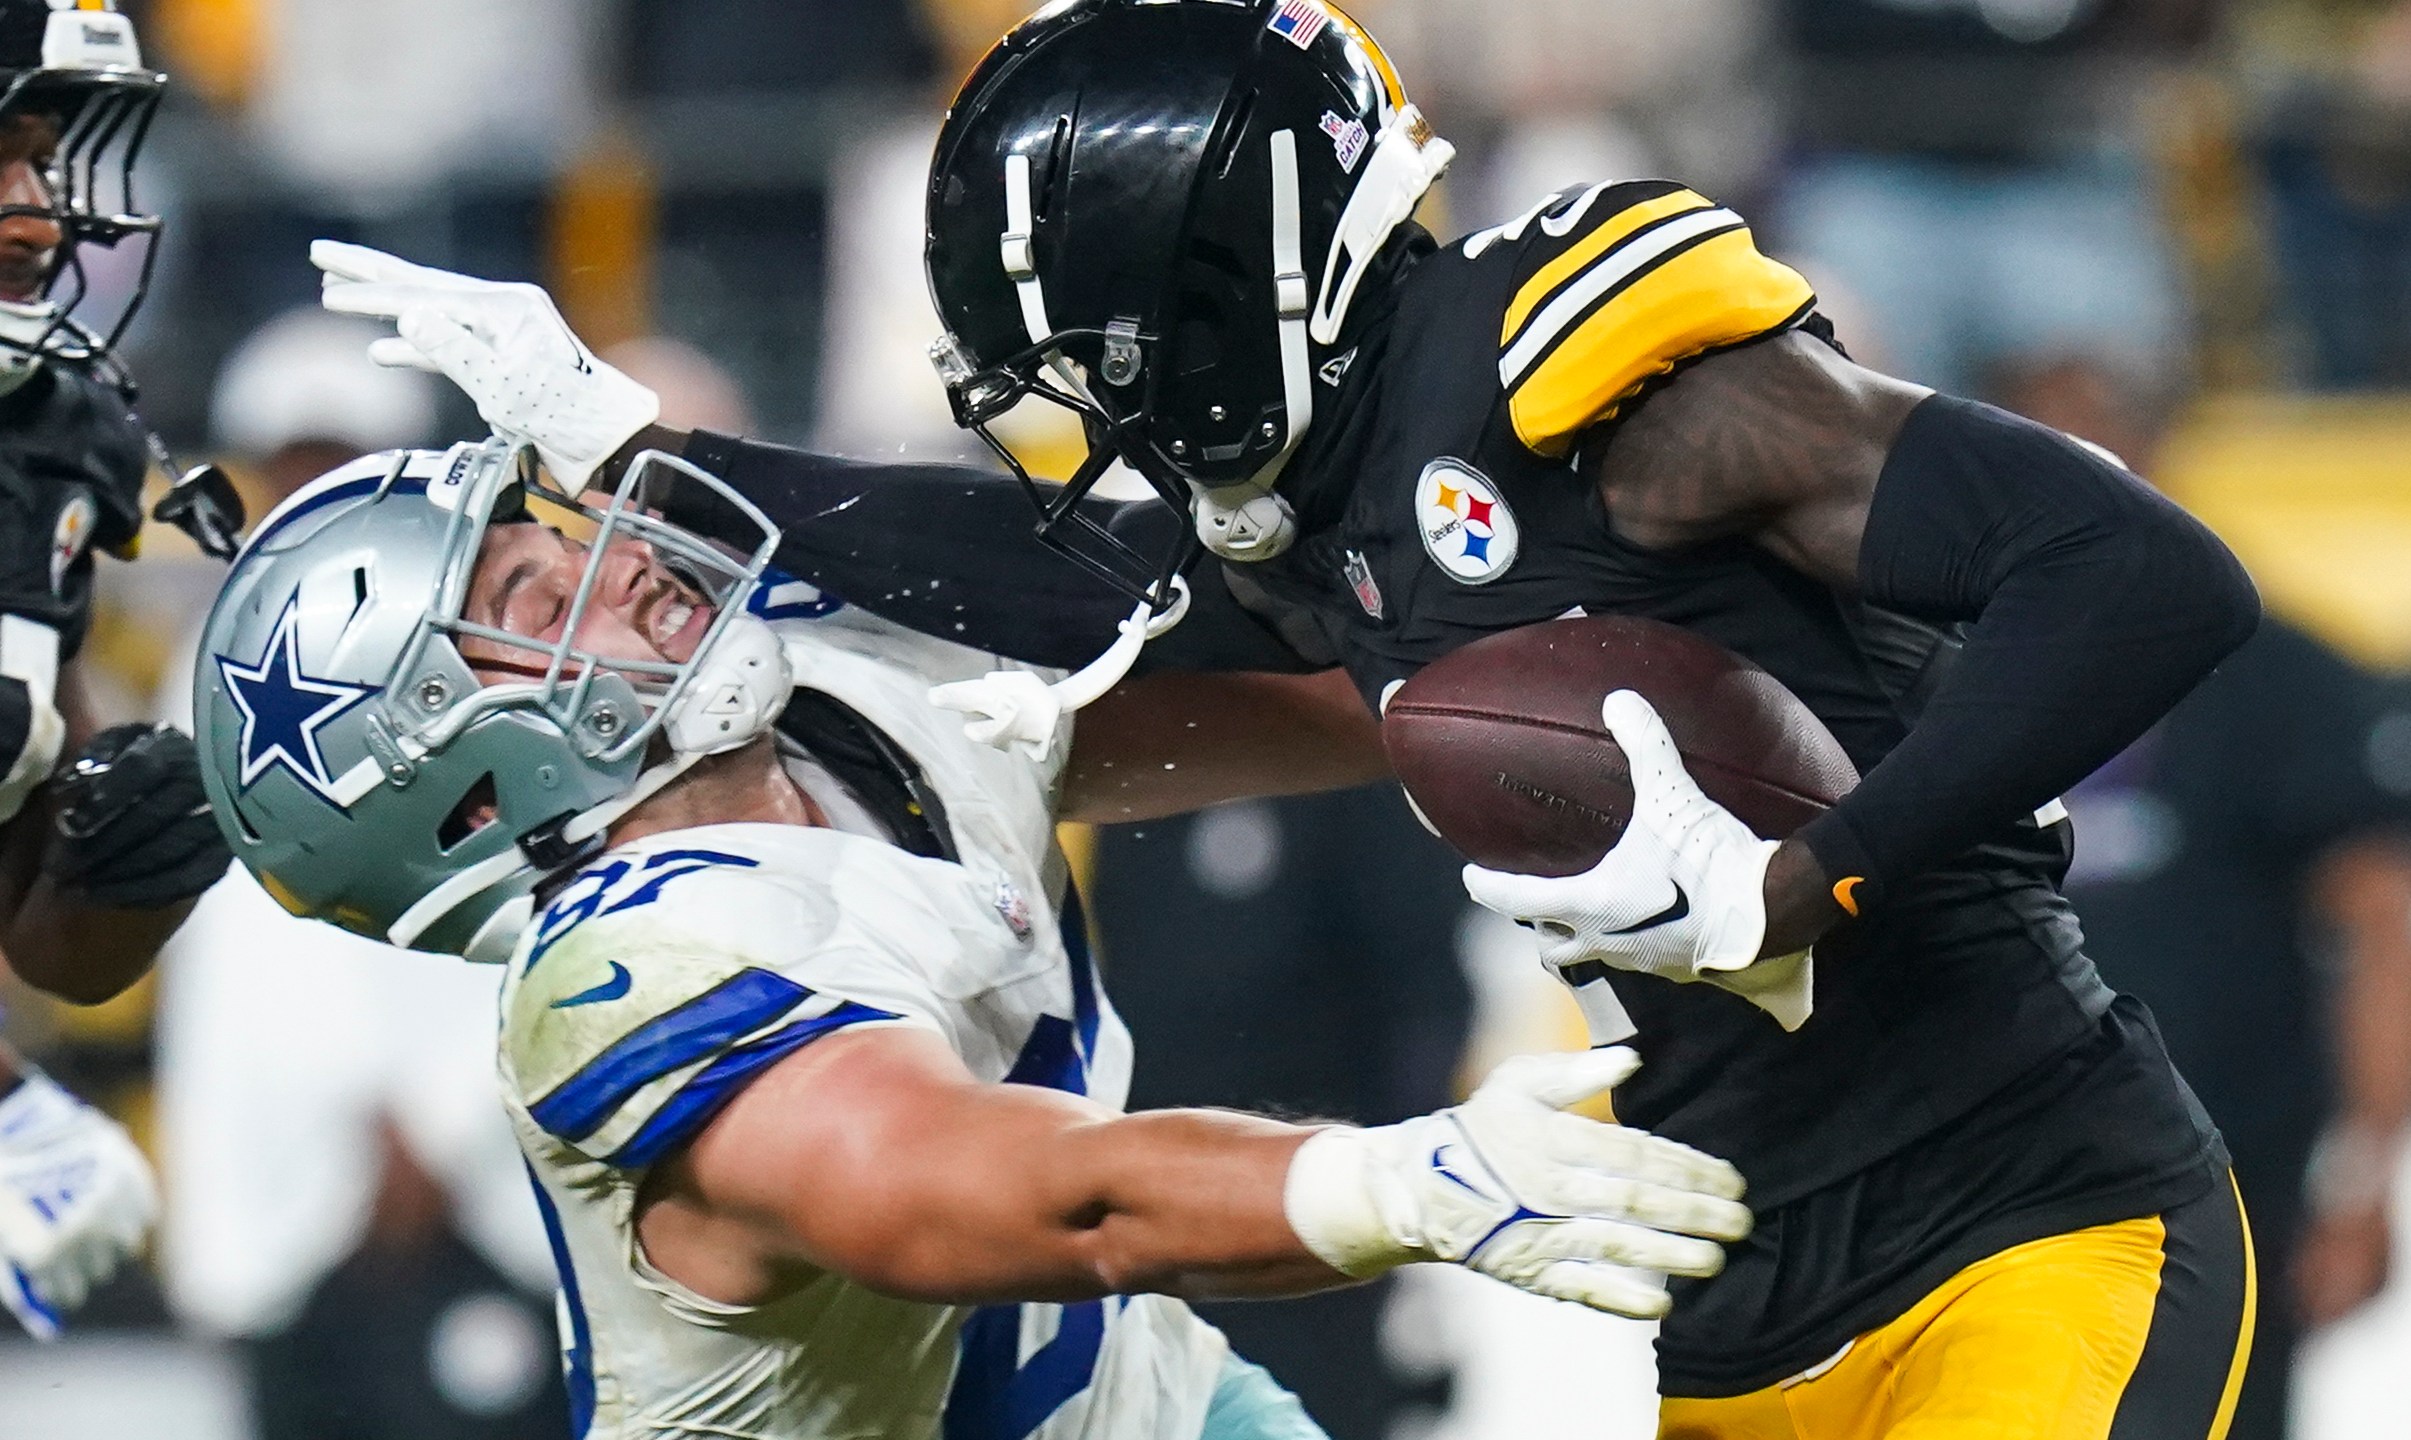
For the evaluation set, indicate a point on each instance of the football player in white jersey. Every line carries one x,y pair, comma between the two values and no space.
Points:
800,1033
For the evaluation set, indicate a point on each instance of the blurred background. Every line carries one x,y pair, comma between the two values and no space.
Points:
2178,228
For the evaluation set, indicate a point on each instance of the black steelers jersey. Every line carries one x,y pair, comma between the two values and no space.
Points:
72,465
1445,505
1966,1082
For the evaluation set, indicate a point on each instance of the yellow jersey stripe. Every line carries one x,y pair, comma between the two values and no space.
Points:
1613,231
2243,1337
1566,309
1572,370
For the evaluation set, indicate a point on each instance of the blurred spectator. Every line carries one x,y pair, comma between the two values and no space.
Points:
1300,958
2337,161
2246,870
722,47
345,1199
368,108
1541,94
300,397
434,130
1971,182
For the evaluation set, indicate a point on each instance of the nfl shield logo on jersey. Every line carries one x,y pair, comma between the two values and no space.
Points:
1465,523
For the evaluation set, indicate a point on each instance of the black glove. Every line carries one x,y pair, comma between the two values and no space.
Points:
134,828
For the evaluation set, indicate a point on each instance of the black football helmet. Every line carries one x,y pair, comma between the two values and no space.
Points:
1156,213
76,63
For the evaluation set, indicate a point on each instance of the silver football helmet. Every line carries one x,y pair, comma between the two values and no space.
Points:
354,758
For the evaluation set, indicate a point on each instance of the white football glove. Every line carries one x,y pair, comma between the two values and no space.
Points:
504,344
1512,1186
76,1198
1681,896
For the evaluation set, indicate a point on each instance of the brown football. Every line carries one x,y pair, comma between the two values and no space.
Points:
1500,744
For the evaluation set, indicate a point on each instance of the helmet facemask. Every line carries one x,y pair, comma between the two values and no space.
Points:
611,705
347,634
92,87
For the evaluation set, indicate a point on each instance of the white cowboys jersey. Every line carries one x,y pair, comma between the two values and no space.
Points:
672,971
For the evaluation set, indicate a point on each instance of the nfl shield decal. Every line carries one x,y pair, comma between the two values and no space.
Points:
1465,522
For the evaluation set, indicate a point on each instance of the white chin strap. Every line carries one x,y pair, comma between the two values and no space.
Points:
1250,522
736,695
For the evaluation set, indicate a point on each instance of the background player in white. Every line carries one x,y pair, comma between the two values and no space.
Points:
795,931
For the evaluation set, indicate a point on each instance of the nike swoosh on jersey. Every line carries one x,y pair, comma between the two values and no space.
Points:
1667,916
611,989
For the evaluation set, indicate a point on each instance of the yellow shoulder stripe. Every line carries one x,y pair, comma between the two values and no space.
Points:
1577,371
1612,232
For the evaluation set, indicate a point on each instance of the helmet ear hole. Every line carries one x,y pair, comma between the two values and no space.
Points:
1058,154
1213,296
476,810
1233,135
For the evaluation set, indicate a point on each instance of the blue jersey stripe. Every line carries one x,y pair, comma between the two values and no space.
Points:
716,1084
993,1397
577,1347
710,1022
1058,1051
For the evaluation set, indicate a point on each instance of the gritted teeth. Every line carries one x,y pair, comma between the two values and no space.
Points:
669,619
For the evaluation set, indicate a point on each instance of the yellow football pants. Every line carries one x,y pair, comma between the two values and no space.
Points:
2132,1331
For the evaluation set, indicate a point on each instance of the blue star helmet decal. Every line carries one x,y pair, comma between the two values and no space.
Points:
283,709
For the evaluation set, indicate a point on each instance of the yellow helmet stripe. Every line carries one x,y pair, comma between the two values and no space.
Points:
1373,52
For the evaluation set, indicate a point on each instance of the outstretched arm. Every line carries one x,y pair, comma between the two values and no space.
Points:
876,1155
2095,603
104,863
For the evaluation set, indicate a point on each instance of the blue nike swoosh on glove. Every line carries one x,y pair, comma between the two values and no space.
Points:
1667,916
611,989
1447,1172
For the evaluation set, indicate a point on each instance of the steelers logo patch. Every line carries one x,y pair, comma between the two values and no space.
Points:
1466,526
71,537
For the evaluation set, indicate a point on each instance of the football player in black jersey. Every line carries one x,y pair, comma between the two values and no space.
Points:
1987,1204
100,859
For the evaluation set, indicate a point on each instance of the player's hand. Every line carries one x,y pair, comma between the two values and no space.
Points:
76,1198
1511,1185
504,344
134,828
1681,896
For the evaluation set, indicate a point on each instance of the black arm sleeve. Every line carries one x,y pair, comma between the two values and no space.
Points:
951,551
2096,604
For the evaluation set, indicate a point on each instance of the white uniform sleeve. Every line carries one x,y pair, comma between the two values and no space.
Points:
658,985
